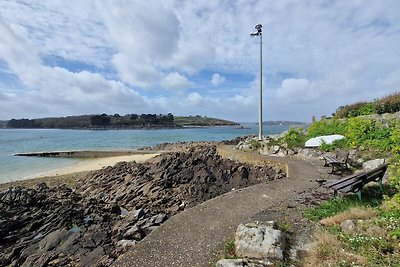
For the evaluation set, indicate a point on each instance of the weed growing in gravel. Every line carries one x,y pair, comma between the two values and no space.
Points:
229,252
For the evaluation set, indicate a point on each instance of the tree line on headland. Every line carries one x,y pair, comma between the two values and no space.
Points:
116,121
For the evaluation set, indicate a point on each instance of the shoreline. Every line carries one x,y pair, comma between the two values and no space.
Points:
69,174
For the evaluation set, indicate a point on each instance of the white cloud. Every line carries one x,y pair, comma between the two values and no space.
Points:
216,79
297,90
146,35
174,80
55,90
316,56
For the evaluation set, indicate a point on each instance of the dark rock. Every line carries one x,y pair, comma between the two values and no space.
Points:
134,233
61,226
53,239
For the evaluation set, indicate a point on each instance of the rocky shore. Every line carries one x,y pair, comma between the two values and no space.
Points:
112,209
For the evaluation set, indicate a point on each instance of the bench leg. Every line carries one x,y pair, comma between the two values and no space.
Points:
326,163
335,194
358,193
333,168
380,185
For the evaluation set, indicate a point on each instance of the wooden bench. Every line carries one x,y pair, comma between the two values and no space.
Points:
339,161
355,182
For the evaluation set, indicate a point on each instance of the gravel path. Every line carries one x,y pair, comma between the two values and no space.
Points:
195,236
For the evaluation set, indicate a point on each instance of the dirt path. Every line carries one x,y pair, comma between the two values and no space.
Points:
195,236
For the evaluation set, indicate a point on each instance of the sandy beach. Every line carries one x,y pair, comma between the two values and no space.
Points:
98,163
68,175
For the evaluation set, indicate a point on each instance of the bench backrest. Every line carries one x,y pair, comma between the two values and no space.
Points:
376,173
369,176
358,180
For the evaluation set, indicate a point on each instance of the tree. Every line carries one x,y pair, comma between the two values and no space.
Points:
100,120
22,123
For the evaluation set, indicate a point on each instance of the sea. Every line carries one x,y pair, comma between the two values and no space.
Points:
13,141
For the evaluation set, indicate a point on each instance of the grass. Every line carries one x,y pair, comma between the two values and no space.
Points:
376,241
328,250
371,198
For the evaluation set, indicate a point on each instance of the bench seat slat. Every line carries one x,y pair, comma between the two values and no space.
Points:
355,182
331,184
346,184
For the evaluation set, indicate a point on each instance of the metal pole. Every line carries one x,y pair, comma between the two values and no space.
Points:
260,105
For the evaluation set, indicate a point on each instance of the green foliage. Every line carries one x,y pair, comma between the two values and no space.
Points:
201,121
394,170
387,104
284,227
342,143
395,138
326,127
255,144
103,120
229,251
359,130
100,120
357,109
295,137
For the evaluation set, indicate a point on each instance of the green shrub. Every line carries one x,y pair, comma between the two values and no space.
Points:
394,170
326,127
395,138
387,104
295,137
359,130
342,143
356,109
255,144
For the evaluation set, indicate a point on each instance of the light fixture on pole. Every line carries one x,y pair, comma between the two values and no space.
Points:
259,33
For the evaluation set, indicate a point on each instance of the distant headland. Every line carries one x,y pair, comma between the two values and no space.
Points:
116,121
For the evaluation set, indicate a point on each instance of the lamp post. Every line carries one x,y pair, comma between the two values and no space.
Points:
258,32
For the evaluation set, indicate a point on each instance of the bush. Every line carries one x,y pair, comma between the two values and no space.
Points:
342,143
326,127
388,104
359,130
295,137
356,109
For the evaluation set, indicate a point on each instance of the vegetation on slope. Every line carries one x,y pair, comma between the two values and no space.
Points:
201,121
376,242
387,104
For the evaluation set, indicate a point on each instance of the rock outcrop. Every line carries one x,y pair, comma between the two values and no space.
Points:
114,208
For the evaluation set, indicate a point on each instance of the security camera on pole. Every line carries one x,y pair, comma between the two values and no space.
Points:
259,33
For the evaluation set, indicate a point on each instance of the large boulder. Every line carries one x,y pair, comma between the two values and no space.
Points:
327,139
259,241
373,164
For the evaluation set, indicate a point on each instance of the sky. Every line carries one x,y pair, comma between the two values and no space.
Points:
195,57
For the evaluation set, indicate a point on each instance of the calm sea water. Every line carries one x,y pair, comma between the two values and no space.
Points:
14,141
